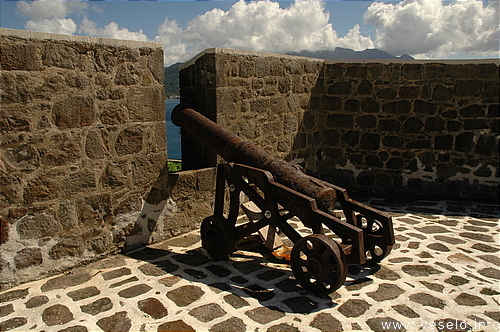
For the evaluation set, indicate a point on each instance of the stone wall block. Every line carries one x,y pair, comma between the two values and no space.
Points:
468,88
412,71
340,88
393,142
66,248
129,141
73,112
333,70
63,148
443,142
370,105
424,107
441,92
340,121
23,157
61,55
370,141
103,60
473,111
4,230
38,225
356,72
352,106
397,107
434,124
474,124
28,257
464,142
365,88
389,125
20,56
94,145
462,71
127,74
146,167
145,103
42,188
409,92
366,121
487,145
351,137
80,181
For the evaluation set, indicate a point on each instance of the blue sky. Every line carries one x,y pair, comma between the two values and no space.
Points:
424,29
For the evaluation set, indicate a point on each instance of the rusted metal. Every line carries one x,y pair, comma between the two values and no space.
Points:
233,149
280,191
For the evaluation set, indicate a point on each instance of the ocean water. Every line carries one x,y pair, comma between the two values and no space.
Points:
173,132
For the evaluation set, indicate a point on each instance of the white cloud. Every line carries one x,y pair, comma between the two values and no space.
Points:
111,30
258,26
50,16
53,25
436,29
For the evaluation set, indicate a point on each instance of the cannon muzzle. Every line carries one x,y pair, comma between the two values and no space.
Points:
234,149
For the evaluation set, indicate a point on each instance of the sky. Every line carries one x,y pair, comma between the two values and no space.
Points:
422,28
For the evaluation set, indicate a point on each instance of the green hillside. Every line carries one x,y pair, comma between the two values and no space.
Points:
171,80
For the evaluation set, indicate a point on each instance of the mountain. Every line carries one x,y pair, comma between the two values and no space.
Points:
340,53
171,80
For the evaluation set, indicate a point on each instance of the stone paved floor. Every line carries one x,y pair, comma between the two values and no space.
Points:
442,275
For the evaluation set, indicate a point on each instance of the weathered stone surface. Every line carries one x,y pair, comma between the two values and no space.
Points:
386,292
116,273
75,328
66,248
20,56
185,295
466,299
74,112
36,301
38,225
28,257
177,325
354,308
117,322
231,324
301,304
13,323
326,322
134,291
282,327
427,300
57,314
405,311
6,310
420,270
84,293
208,312
98,306
65,281
153,307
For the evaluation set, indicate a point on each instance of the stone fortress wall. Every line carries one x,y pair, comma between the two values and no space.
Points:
83,166
83,153
427,129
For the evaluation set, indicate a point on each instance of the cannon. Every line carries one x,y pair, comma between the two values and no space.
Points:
277,191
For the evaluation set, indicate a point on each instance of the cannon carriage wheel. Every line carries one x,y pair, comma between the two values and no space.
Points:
217,237
319,264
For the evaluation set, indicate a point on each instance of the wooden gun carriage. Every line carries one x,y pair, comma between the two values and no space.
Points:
281,191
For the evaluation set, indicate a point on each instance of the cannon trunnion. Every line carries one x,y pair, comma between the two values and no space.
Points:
279,191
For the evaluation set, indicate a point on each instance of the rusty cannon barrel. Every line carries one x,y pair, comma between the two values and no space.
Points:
234,149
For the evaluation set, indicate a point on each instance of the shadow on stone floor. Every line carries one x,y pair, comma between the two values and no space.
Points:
248,274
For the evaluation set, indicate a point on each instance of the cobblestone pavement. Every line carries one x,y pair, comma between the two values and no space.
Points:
442,275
